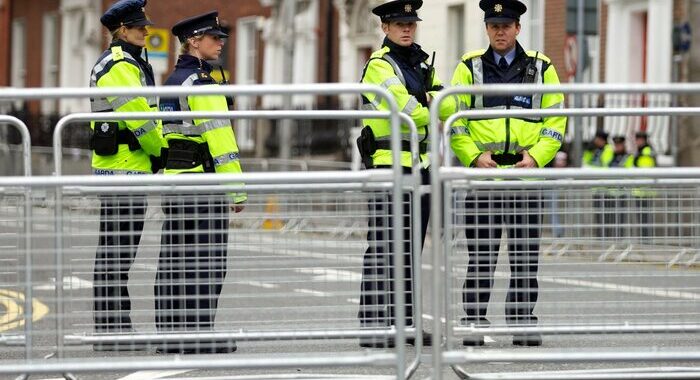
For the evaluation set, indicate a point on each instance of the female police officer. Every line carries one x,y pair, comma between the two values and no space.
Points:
192,262
400,67
121,147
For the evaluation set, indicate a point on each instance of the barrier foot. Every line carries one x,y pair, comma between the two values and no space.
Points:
69,376
22,377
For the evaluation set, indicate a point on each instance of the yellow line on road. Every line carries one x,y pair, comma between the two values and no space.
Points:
13,303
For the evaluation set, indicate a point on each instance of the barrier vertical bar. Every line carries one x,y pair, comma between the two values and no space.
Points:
28,291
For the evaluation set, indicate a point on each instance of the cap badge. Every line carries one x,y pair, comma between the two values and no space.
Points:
498,8
408,8
217,21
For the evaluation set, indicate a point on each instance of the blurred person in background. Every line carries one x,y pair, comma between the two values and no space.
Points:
598,153
192,263
130,147
616,198
645,158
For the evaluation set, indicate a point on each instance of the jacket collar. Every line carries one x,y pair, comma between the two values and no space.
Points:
186,61
132,49
413,54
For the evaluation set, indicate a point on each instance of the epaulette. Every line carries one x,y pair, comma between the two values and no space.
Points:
117,53
539,55
380,53
473,54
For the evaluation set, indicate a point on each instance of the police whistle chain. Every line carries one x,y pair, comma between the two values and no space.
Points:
429,73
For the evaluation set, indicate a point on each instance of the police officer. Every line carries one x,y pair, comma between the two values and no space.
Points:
192,263
644,158
121,148
599,153
504,143
615,206
401,67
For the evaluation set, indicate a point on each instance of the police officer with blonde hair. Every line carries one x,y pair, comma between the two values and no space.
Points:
404,70
505,142
128,147
192,263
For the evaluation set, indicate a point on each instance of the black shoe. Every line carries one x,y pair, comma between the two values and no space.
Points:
117,346
529,340
473,341
427,340
376,342
193,348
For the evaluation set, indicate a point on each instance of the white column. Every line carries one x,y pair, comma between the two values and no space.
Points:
659,47
618,27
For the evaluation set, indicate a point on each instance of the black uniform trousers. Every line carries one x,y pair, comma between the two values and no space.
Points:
484,219
377,288
192,263
121,224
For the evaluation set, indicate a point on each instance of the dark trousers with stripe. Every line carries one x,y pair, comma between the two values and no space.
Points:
484,219
121,224
377,287
192,263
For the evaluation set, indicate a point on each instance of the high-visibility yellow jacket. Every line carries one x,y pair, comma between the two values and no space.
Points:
217,134
403,72
541,137
122,66
645,157
598,158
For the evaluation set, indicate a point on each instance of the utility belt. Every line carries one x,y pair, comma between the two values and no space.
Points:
368,145
106,138
185,154
507,158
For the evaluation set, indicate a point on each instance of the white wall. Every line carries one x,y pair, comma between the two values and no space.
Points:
623,50
277,37
81,37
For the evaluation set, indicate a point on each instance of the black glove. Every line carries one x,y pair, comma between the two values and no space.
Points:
156,164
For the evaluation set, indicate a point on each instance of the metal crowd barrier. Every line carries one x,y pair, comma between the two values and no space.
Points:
16,259
311,273
609,289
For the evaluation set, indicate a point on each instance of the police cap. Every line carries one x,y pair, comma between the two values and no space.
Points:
641,134
602,134
502,11
126,13
399,10
618,139
207,23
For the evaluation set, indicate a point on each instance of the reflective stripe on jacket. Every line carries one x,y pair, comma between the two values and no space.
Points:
217,133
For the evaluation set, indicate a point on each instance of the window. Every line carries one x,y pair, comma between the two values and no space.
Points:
49,67
455,24
246,68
